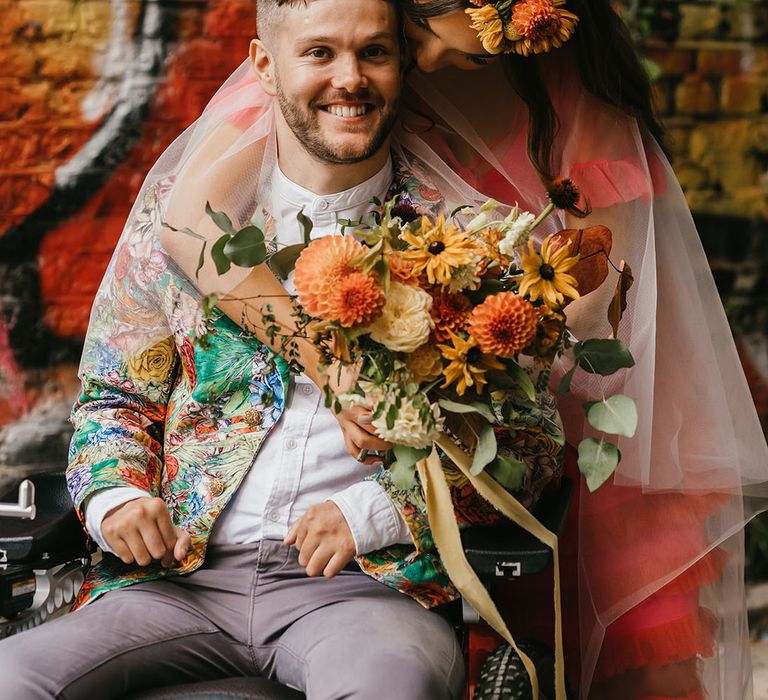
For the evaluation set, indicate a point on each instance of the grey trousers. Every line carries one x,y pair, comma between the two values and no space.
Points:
250,611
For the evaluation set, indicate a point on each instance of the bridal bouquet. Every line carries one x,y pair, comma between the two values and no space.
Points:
454,327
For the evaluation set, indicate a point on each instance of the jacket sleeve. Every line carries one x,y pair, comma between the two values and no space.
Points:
119,420
128,366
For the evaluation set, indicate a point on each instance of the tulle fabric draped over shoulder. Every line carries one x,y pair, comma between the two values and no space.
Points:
660,550
660,558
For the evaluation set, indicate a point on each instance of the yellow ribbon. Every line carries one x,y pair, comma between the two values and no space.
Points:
445,532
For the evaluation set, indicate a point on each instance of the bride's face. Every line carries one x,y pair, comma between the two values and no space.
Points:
447,40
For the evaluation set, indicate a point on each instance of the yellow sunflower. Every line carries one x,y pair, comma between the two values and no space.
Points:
546,274
487,22
438,249
467,364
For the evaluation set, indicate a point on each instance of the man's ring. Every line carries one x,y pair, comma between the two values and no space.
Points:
362,455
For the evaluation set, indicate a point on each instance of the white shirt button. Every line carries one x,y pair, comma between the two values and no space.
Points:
291,444
273,515
322,205
307,389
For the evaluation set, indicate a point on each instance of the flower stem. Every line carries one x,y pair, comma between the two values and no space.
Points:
550,207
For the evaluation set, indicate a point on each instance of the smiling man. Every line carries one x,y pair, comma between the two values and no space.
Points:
337,91
219,511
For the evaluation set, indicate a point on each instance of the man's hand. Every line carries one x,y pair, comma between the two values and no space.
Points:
356,423
141,531
359,433
323,539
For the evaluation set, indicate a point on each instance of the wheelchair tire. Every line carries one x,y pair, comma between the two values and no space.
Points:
503,676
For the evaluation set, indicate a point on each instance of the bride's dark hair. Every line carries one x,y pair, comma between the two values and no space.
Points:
608,64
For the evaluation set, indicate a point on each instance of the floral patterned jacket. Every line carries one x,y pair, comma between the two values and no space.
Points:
185,421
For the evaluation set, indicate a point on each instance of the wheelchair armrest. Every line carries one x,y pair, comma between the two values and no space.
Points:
508,550
54,535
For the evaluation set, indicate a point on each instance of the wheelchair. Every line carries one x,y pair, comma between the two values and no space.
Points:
44,556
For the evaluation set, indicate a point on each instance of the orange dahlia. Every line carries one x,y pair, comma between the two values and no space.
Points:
450,312
537,26
356,300
320,267
504,324
402,270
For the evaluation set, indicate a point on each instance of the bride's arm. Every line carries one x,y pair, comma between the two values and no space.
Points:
227,182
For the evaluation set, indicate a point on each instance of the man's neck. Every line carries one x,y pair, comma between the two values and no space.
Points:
322,177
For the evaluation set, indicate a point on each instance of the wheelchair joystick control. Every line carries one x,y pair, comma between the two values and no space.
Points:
25,508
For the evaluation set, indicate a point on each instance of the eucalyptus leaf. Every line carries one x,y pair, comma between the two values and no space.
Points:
508,471
284,260
616,415
219,257
306,225
409,456
485,450
246,248
403,476
200,261
597,461
471,407
565,382
522,380
188,231
603,356
220,219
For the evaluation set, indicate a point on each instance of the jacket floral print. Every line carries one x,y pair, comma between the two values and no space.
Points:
184,420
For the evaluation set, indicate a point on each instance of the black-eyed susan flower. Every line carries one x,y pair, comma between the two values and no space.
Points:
467,364
438,249
546,274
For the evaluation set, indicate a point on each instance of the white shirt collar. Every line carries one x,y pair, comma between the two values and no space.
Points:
341,202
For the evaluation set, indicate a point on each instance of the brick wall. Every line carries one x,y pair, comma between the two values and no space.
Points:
92,91
712,93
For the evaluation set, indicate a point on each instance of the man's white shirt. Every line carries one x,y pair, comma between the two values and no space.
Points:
303,460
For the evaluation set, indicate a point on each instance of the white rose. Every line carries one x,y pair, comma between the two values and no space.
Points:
409,429
405,322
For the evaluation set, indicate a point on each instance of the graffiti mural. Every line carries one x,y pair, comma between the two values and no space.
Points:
90,95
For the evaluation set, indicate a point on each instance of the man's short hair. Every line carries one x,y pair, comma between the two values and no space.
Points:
268,16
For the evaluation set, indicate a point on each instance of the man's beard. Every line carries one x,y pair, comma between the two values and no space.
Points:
305,126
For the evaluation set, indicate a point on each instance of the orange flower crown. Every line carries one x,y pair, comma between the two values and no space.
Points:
522,26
